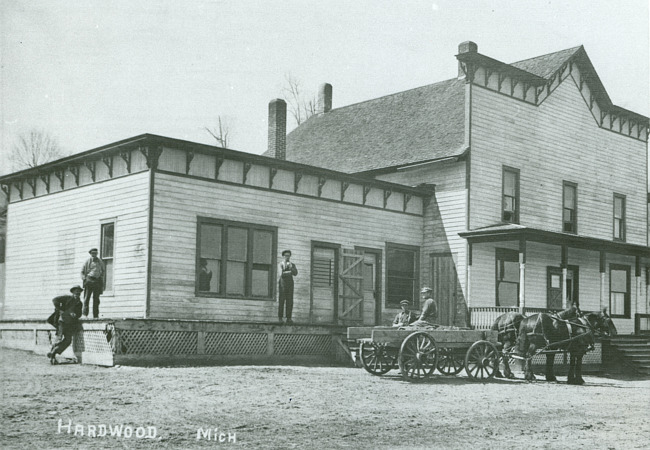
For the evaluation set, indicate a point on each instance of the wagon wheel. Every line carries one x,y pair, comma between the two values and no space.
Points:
449,362
417,356
375,359
482,360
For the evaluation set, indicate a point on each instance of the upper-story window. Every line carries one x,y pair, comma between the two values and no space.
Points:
570,207
510,201
619,217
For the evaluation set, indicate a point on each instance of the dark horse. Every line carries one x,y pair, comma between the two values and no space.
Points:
508,327
546,332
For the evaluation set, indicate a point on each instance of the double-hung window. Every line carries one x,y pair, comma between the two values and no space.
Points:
107,252
510,195
235,259
619,217
507,277
402,269
619,291
570,207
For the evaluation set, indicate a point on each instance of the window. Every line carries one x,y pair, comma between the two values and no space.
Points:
570,207
402,269
619,217
510,203
619,291
507,277
235,259
107,252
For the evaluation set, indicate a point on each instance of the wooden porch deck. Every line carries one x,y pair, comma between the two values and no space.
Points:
173,342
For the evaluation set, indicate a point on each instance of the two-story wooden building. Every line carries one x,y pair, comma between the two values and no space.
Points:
512,186
541,183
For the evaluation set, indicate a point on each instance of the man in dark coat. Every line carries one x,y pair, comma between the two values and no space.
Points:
93,275
404,317
287,270
68,308
429,315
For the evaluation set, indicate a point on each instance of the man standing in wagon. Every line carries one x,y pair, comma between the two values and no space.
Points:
93,274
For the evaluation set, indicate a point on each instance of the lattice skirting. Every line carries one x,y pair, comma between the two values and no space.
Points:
303,344
236,343
148,340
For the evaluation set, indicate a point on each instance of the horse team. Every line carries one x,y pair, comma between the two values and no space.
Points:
569,331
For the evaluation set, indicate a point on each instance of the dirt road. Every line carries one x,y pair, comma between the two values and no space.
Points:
66,406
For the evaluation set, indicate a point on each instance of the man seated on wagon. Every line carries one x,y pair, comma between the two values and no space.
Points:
405,317
429,314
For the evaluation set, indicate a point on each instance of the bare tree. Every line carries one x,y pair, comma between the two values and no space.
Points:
33,149
300,104
221,132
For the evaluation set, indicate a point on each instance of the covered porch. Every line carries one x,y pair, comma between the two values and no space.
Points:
555,269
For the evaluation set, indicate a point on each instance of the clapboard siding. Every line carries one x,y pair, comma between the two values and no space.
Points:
551,143
178,201
49,238
445,217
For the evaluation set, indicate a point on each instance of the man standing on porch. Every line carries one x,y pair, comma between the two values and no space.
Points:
93,275
287,271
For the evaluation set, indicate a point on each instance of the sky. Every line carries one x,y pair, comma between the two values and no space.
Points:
90,73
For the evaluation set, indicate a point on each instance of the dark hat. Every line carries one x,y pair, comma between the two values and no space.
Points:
426,289
286,251
76,288
93,250
404,302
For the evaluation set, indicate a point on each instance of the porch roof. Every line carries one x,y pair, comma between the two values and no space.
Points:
515,232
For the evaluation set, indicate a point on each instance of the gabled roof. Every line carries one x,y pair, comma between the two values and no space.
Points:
420,124
546,65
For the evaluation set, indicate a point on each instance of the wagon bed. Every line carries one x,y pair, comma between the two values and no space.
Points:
419,351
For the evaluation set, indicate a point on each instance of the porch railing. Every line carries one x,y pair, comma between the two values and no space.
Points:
482,317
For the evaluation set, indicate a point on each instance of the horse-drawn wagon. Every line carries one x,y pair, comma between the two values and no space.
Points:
418,352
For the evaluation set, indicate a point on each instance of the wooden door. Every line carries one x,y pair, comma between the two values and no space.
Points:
351,295
323,284
371,292
444,283
554,288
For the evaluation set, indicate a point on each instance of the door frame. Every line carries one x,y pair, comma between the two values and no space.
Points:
378,279
576,281
335,300
452,308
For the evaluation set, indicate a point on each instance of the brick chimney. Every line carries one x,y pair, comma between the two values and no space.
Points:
324,99
465,47
278,128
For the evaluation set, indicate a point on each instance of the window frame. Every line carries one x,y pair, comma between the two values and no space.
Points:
507,255
574,186
627,301
516,172
622,227
249,264
416,273
112,221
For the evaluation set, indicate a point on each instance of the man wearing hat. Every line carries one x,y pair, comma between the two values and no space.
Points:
93,275
429,314
287,271
404,317
68,308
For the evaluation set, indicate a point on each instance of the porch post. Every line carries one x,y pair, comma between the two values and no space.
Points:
637,275
522,273
469,276
564,264
602,280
